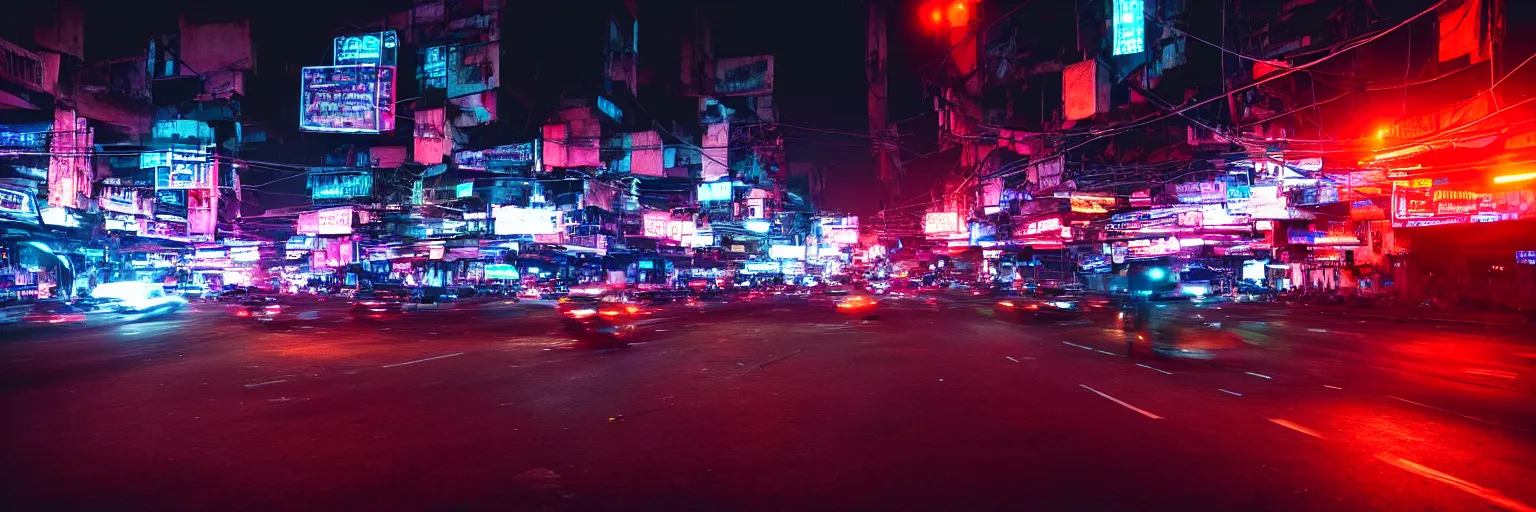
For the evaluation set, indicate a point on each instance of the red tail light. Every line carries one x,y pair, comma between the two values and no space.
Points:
1005,303
1031,306
243,313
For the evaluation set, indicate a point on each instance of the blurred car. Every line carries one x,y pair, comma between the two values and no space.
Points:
272,311
53,312
237,294
1193,341
616,313
858,304
136,297
1036,308
830,296
379,304
189,291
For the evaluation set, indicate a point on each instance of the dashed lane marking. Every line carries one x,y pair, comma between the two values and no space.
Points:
1158,370
1293,426
1122,404
1470,488
260,384
1233,393
1259,375
422,360
1076,345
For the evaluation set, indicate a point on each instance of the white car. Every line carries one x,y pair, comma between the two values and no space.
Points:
138,297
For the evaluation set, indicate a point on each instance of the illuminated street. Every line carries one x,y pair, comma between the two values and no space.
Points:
787,255
778,405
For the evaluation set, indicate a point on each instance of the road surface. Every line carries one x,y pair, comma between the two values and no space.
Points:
776,405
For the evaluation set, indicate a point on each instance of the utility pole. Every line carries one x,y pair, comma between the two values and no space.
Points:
881,133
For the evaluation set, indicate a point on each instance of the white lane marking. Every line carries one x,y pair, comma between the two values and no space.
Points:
1122,404
1233,393
1159,370
1290,425
1078,346
1317,330
1473,418
1470,488
1259,375
1331,387
1010,358
421,360
1107,353
260,384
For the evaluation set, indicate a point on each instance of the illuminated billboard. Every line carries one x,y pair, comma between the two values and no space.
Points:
513,220
716,191
330,221
327,183
434,67
654,224
347,99
184,174
941,223
786,252
496,159
1425,204
770,267
18,205
501,271
1128,27
376,49
1084,203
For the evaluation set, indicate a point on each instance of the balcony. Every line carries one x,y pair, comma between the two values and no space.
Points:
22,66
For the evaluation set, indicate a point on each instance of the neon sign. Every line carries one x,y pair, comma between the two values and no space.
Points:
347,99
1043,226
1129,29
377,49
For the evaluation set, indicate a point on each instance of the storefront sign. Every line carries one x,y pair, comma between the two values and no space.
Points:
501,271
1153,247
766,267
1042,227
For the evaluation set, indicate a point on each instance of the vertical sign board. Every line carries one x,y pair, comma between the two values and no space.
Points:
434,67
1128,27
717,140
347,99
69,166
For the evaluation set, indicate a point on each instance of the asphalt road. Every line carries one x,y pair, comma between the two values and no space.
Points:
777,405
